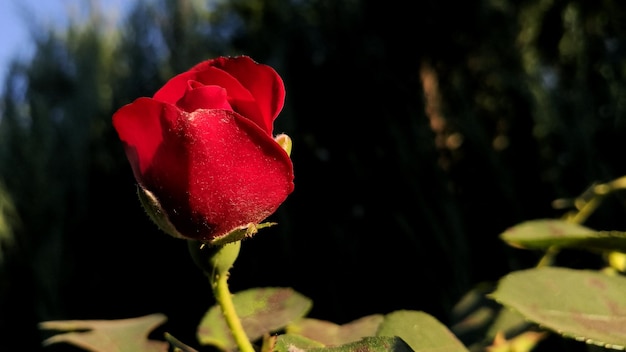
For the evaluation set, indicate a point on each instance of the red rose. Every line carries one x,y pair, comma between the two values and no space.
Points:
203,152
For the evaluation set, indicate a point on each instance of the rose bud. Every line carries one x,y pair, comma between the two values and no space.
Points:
203,153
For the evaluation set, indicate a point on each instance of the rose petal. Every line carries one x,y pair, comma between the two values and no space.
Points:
203,147
261,80
147,127
199,96
212,170
238,175
240,98
140,128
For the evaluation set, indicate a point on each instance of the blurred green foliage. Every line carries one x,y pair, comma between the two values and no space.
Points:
8,222
421,131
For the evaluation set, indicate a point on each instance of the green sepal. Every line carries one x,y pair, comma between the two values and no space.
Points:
240,233
214,260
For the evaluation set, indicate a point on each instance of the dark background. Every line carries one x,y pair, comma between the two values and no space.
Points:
421,131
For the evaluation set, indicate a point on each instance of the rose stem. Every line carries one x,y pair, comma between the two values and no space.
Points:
216,262
224,299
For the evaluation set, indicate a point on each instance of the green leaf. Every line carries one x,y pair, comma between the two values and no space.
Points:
331,334
261,311
421,331
586,305
367,344
122,335
545,233
291,343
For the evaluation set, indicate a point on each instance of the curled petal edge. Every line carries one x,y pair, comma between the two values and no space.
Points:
154,210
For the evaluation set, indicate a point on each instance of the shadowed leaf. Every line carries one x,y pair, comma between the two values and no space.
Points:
261,310
582,304
507,322
291,343
421,331
331,334
544,233
479,321
124,335
368,344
